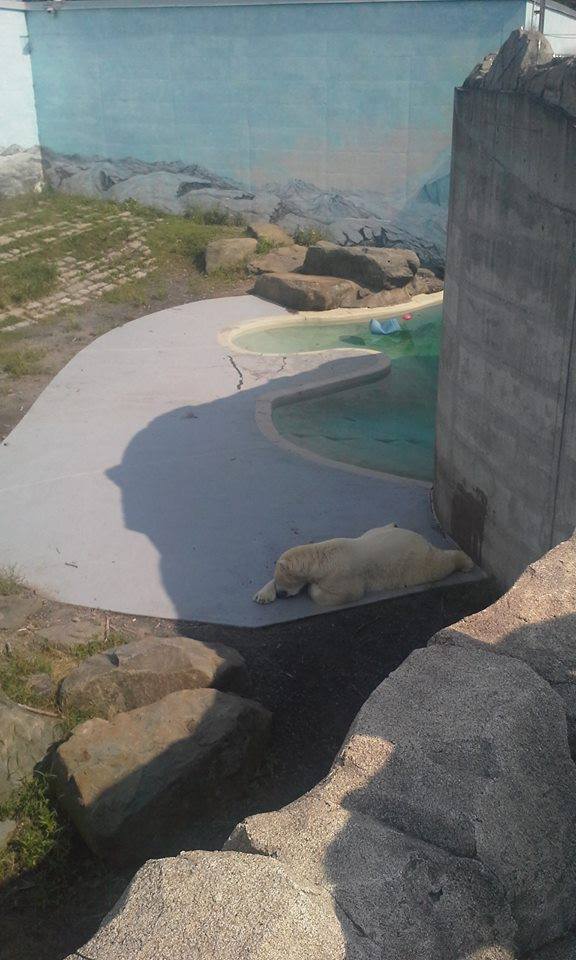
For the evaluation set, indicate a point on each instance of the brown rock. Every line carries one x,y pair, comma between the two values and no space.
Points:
25,739
377,268
132,783
280,260
229,253
298,292
76,634
146,670
16,610
271,232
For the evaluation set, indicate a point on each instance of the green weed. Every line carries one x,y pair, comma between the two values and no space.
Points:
28,278
10,582
14,671
21,363
308,236
40,831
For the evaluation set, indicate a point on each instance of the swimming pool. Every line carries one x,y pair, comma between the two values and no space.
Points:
386,425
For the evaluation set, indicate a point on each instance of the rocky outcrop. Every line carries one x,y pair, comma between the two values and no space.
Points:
375,268
129,784
381,879
224,254
526,64
535,621
299,292
20,170
144,671
26,736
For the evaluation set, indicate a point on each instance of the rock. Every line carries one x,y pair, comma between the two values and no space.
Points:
71,635
271,232
555,82
412,900
427,282
280,260
299,292
477,75
523,49
146,670
534,622
229,253
129,784
7,830
388,298
224,906
377,268
563,949
468,752
20,171
42,685
25,738
16,610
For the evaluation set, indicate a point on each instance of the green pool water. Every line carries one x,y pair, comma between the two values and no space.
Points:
387,425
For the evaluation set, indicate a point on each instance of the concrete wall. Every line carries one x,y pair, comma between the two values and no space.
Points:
506,428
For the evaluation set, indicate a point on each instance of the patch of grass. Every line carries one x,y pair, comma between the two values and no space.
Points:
308,236
41,834
215,216
265,245
175,241
28,278
11,582
21,363
14,671
9,320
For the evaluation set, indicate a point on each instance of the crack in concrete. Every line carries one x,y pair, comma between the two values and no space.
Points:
240,383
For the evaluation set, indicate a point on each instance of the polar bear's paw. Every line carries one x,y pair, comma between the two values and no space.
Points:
267,594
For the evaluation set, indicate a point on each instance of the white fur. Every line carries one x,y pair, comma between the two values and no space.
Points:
344,570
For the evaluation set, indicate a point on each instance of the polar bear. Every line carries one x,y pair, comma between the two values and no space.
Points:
344,570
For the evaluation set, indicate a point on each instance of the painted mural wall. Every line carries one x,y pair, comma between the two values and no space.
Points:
19,153
329,115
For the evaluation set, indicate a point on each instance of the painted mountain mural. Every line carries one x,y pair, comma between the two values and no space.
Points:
174,187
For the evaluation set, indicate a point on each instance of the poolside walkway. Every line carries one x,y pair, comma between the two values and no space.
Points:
140,481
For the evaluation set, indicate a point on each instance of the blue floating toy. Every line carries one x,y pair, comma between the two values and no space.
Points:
384,327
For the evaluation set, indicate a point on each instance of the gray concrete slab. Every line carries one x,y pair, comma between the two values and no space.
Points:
140,481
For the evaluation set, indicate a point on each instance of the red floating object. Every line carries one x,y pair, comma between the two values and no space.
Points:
407,316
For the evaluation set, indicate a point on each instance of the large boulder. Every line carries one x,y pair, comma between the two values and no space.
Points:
225,906
129,784
225,254
469,752
523,50
146,670
377,268
26,736
298,292
534,622
270,232
412,900
279,260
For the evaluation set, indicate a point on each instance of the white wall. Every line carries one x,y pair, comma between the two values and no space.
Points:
559,26
17,109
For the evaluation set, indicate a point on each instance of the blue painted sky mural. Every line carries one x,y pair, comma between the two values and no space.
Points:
338,113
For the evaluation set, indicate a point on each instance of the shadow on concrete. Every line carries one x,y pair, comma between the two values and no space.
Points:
220,502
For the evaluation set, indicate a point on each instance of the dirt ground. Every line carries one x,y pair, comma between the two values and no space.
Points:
313,675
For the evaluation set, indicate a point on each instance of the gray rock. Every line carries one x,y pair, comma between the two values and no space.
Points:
41,685
25,738
224,906
555,83
130,783
229,253
412,900
71,635
146,670
427,282
20,171
7,830
523,49
16,610
271,232
469,752
280,260
377,268
563,949
534,622
298,292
